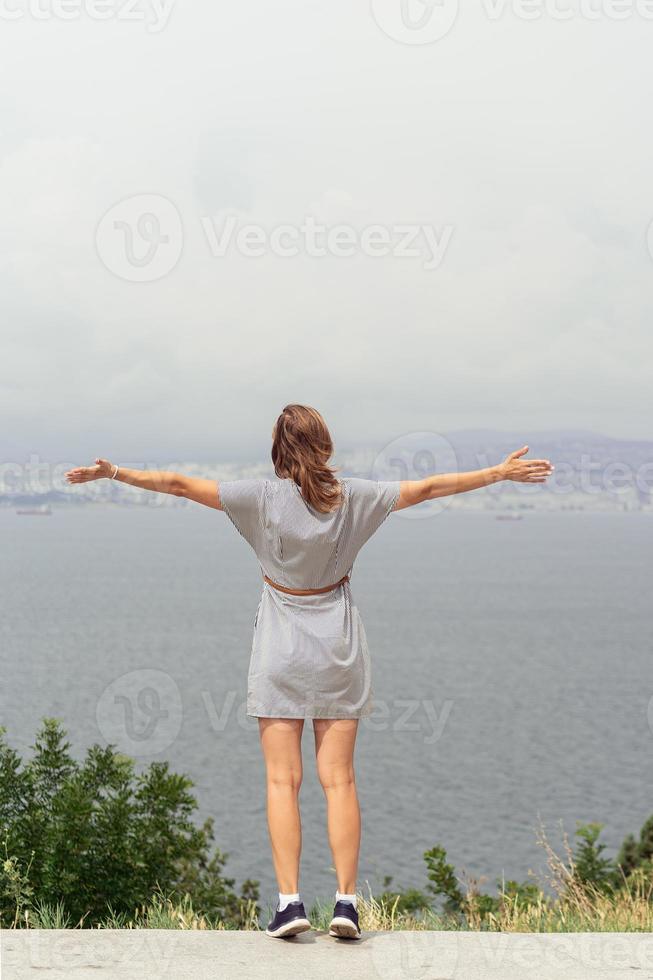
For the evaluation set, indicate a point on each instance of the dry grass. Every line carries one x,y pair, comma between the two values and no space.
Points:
586,911
567,905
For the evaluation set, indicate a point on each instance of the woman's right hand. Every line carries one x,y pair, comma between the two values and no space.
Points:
84,474
525,470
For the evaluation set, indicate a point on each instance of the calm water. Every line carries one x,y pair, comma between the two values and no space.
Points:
512,670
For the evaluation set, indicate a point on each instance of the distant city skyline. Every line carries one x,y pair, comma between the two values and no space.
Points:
592,471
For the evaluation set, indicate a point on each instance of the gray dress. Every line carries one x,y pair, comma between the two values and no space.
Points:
309,656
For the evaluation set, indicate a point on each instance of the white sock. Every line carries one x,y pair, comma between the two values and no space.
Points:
341,897
286,899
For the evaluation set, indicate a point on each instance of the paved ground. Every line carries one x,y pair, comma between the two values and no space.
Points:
161,954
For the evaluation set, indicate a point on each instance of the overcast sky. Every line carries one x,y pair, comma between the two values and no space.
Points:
515,153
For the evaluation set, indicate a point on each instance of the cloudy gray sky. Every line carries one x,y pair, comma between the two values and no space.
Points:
514,153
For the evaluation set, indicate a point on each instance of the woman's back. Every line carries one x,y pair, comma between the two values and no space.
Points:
298,546
309,654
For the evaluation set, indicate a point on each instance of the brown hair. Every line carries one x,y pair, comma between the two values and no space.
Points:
301,449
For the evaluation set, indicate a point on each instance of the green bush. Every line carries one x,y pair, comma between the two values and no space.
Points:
590,867
85,838
589,872
637,855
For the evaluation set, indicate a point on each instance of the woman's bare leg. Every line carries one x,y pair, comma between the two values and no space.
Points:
335,739
282,750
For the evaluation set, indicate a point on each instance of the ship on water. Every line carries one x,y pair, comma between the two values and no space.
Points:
42,510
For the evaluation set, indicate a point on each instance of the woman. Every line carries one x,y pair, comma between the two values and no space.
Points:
309,656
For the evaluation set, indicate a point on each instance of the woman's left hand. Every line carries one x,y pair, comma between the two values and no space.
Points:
525,470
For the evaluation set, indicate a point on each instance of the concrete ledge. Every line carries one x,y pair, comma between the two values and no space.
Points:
149,954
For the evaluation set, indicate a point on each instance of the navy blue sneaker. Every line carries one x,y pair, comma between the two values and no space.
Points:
289,922
344,923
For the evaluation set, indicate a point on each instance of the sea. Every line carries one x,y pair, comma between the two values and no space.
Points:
512,675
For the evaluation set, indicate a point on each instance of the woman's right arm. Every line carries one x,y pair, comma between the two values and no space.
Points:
200,490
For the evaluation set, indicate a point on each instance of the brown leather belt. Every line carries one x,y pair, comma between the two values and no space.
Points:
326,588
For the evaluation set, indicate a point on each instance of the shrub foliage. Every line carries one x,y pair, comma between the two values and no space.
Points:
92,836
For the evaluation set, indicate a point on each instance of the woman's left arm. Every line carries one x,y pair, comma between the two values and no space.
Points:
445,484
160,481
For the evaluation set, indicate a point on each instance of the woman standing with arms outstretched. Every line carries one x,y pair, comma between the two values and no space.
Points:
309,656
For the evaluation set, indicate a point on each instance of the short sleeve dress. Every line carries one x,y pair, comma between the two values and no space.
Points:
309,655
